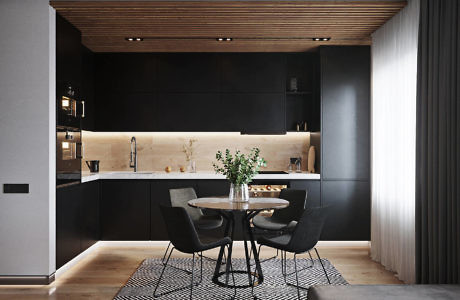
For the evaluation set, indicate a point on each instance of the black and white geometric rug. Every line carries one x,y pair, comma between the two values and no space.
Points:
142,282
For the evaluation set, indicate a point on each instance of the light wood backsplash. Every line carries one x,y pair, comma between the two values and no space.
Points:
158,150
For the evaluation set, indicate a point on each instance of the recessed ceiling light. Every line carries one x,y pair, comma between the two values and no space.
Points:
224,39
317,39
131,39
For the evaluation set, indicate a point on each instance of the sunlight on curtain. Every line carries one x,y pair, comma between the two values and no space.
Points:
394,82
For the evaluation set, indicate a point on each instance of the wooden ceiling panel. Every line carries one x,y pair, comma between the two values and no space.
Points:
192,26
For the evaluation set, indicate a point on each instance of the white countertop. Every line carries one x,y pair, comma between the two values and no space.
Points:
86,176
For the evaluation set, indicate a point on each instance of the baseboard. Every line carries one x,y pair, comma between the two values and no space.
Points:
27,280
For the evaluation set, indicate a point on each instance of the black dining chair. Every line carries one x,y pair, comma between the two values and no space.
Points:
184,238
283,220
179,198
302,239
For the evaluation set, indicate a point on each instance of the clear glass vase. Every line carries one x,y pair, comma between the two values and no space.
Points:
239,193
191,168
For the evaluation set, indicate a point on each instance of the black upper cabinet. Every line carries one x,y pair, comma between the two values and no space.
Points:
253,73
345,134
126,112
254,113
125,73
88,89
68,53
189,112
188,73
198,92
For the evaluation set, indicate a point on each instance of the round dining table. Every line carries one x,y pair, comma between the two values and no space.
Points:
243,212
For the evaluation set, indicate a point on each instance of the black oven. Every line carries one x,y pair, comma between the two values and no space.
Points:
70,106
68,155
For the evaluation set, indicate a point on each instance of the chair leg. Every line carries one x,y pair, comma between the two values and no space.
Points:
296,276
166,253
324,269
161,275
233,276
191,281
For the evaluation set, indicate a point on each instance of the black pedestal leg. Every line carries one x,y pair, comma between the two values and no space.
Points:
248,218
246,251
228,228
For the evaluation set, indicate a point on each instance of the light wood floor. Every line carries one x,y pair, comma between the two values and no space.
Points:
102,273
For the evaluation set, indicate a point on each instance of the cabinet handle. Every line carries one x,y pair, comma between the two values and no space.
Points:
83,109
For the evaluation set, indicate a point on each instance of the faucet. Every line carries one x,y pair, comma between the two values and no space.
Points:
133,155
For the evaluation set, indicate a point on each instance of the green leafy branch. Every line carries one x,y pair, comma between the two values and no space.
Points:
239,168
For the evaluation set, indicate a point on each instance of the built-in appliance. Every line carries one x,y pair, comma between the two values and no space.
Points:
68,155
70,108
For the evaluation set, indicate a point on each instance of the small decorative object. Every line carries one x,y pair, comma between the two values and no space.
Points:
311,159
189,149
239,169
305,126
182,169
297,127
168,169
293,84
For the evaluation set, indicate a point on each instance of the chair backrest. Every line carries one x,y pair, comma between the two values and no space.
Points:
308,230
180,197
180,228
297,203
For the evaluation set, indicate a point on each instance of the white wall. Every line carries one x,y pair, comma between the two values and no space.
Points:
27,136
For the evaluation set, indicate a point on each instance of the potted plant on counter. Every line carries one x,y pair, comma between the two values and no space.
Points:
239,169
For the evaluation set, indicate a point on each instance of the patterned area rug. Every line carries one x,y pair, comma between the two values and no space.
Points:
142,282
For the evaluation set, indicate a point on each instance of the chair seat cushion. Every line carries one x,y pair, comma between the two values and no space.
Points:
268,223
208,222
381,292
219,243
278,242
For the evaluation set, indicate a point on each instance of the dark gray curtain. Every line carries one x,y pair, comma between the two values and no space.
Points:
438,143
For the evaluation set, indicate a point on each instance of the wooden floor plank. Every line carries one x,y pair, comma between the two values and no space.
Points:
100,274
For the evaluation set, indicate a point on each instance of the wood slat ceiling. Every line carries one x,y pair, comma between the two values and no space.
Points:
255,26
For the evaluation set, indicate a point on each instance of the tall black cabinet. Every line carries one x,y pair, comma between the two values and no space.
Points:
345,141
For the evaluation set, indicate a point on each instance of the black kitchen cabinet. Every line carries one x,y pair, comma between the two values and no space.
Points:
188,73
88,122
253,73
120,112
68,229
68,53
345,133
313,188
160,196
125,210
243,92
189,112
349,214
254,113
89,214
345,141
77,220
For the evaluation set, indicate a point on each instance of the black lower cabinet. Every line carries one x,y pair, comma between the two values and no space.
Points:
313,188
160,195
349,217
125,210
89,214
77,220
68,232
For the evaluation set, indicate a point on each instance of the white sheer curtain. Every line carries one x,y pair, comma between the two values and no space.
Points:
394,76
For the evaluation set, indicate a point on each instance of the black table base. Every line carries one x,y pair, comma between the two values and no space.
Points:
254,278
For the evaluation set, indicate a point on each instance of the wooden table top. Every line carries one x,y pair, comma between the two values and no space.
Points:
258,203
